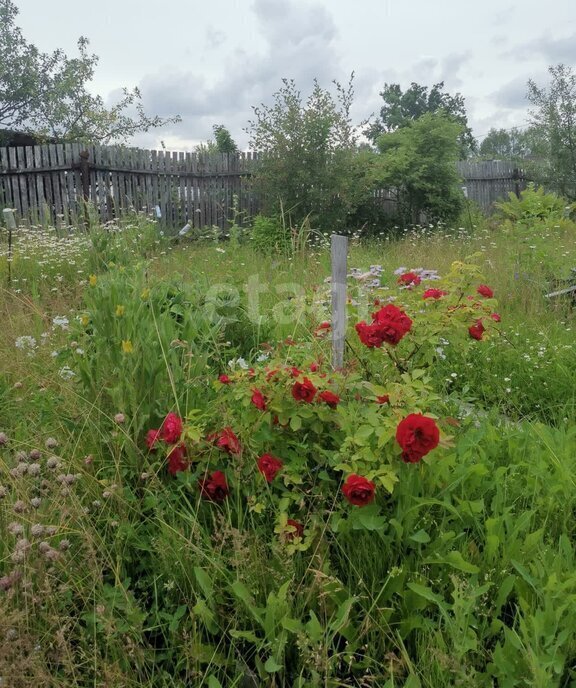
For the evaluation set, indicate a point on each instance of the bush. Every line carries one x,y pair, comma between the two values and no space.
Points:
534,204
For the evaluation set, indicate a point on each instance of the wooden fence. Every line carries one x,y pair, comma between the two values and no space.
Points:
489,181
62,183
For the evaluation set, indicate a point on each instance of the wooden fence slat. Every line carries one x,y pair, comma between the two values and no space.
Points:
45,182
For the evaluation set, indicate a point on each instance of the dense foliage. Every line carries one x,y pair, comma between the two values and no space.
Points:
190,495
48,95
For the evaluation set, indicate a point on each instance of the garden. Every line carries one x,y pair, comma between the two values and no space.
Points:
191,494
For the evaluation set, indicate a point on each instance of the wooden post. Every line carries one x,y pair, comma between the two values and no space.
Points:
11,225
339,252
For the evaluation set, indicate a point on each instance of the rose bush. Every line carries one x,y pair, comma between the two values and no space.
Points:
289,434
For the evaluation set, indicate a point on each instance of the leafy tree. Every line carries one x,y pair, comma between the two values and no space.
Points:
554,116
308,156
223,138
418,161
46,93
400,109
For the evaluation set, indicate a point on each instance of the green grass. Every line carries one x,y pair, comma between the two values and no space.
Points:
470,580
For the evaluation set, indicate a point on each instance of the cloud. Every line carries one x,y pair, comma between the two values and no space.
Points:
512,95
300,43
554,50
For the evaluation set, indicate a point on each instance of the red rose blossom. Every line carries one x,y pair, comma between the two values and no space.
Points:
269,466
298,529
389,324
171,428
224,379
152,438
496,317
417,435
314,367
304,391
476,331
434,294
294,372
258,399
177,459
358,490
409,279
384,399
329,398
214,487
226,440
484,290
322,329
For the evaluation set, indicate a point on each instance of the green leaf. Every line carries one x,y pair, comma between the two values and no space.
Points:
421,536
272,665
314,628
427,594
213,682
456,560
204,582
292,625
295,423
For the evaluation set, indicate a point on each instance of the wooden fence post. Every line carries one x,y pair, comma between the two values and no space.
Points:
339,253
11,225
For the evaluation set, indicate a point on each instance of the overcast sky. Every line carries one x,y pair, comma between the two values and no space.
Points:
210,61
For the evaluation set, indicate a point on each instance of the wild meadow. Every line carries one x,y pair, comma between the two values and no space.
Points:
190,495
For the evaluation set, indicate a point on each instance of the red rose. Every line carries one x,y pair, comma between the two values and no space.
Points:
226,440
384,399
304,391
496,317
294,372
214,487
417,435
322,329
171,428
329,398
434,294
271,374
483,290
224,379
258,399
358,490
152,437
314,367
389,324
476,331
177,459
269,466
369,334
298,529
409,278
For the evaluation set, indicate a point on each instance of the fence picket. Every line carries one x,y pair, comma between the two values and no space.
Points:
45,182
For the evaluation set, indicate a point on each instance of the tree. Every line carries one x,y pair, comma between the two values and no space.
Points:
554,116
400,109
224,141
308,155
418,161
505,144
46,93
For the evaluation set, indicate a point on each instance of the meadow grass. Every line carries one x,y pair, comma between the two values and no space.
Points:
114,576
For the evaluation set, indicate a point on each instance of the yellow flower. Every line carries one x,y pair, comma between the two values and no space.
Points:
145,294
120,310
127,347
93,280
85,320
